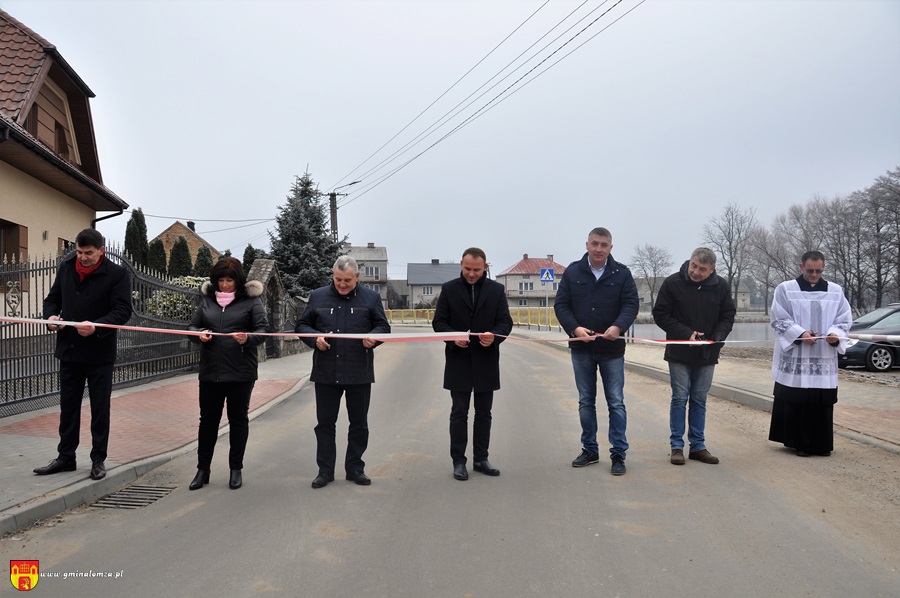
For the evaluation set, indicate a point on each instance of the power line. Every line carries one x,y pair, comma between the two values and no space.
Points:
447,116
503,94
203,219
485,57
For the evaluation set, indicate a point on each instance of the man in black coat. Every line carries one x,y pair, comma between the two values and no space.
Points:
693,304
343,366
472,303
92,290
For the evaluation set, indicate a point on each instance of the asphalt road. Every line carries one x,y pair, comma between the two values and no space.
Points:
762,523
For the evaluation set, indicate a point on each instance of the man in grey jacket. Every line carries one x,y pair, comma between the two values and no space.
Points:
342,367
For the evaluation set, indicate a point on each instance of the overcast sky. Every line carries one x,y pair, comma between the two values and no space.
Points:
208,110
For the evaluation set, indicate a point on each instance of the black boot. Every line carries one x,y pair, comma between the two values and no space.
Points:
201,478
236,481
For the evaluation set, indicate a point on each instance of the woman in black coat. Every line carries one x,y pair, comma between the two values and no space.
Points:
228,364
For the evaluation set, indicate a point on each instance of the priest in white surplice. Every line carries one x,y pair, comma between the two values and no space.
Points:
811,318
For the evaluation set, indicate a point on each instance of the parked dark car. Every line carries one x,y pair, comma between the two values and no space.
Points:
876,356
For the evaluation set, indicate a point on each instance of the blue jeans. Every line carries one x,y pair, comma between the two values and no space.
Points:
689,383
612,373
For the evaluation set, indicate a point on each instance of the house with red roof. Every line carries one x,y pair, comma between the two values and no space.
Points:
523,282
50,182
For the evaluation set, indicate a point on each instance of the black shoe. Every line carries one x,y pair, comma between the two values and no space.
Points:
55,466
236,481
359,477
322,480
585,458
201,478
618,465
460,472
98,470
486,468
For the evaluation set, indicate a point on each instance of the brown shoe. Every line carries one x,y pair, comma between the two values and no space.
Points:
703,456
677,457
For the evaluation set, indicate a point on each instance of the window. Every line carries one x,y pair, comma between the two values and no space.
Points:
62,144
427,290
555,286
373,272
542,302
526,286
13,240
523,302
13,248
63,246
31,121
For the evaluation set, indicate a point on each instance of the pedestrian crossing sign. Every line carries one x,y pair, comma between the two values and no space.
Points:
547,275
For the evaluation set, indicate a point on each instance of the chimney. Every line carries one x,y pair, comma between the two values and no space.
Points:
435,261
524,256
191,226
371,245
550,256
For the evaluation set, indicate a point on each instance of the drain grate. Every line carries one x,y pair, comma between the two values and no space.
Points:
133,497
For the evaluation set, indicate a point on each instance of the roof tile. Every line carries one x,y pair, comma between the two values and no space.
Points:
22,56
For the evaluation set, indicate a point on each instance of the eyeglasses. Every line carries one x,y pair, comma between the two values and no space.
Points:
813,271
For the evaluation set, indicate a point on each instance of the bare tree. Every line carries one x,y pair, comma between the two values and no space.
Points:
652,264
842,225
765,260
885,193
727,235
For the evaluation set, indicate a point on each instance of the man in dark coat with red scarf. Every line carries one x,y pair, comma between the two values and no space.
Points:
472,303
90,289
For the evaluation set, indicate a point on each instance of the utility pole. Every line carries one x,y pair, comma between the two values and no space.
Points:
332,202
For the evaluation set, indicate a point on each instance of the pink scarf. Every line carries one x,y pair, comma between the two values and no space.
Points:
224,299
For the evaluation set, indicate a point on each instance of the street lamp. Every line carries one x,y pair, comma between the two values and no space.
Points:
332,200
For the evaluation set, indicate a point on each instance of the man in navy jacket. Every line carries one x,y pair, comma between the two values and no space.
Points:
89,289
597,301
343,366
472,303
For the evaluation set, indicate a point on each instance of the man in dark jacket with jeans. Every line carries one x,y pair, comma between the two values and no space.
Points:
341,366
596,302
694,304
89,289
476,304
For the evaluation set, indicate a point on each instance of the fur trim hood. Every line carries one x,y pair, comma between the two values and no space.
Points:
252,288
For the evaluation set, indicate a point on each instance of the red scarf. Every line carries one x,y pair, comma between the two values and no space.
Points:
83,270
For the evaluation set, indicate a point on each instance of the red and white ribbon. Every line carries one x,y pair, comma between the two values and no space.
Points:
382,337
408,337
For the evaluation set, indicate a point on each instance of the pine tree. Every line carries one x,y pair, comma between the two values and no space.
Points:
136,238
180,258
251,254
204,261
302,245
156,256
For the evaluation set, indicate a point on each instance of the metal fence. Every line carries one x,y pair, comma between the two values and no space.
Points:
29,376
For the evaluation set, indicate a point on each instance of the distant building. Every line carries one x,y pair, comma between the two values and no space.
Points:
645,296
398,294
373,265
742,302
425,281
523,282
194,241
